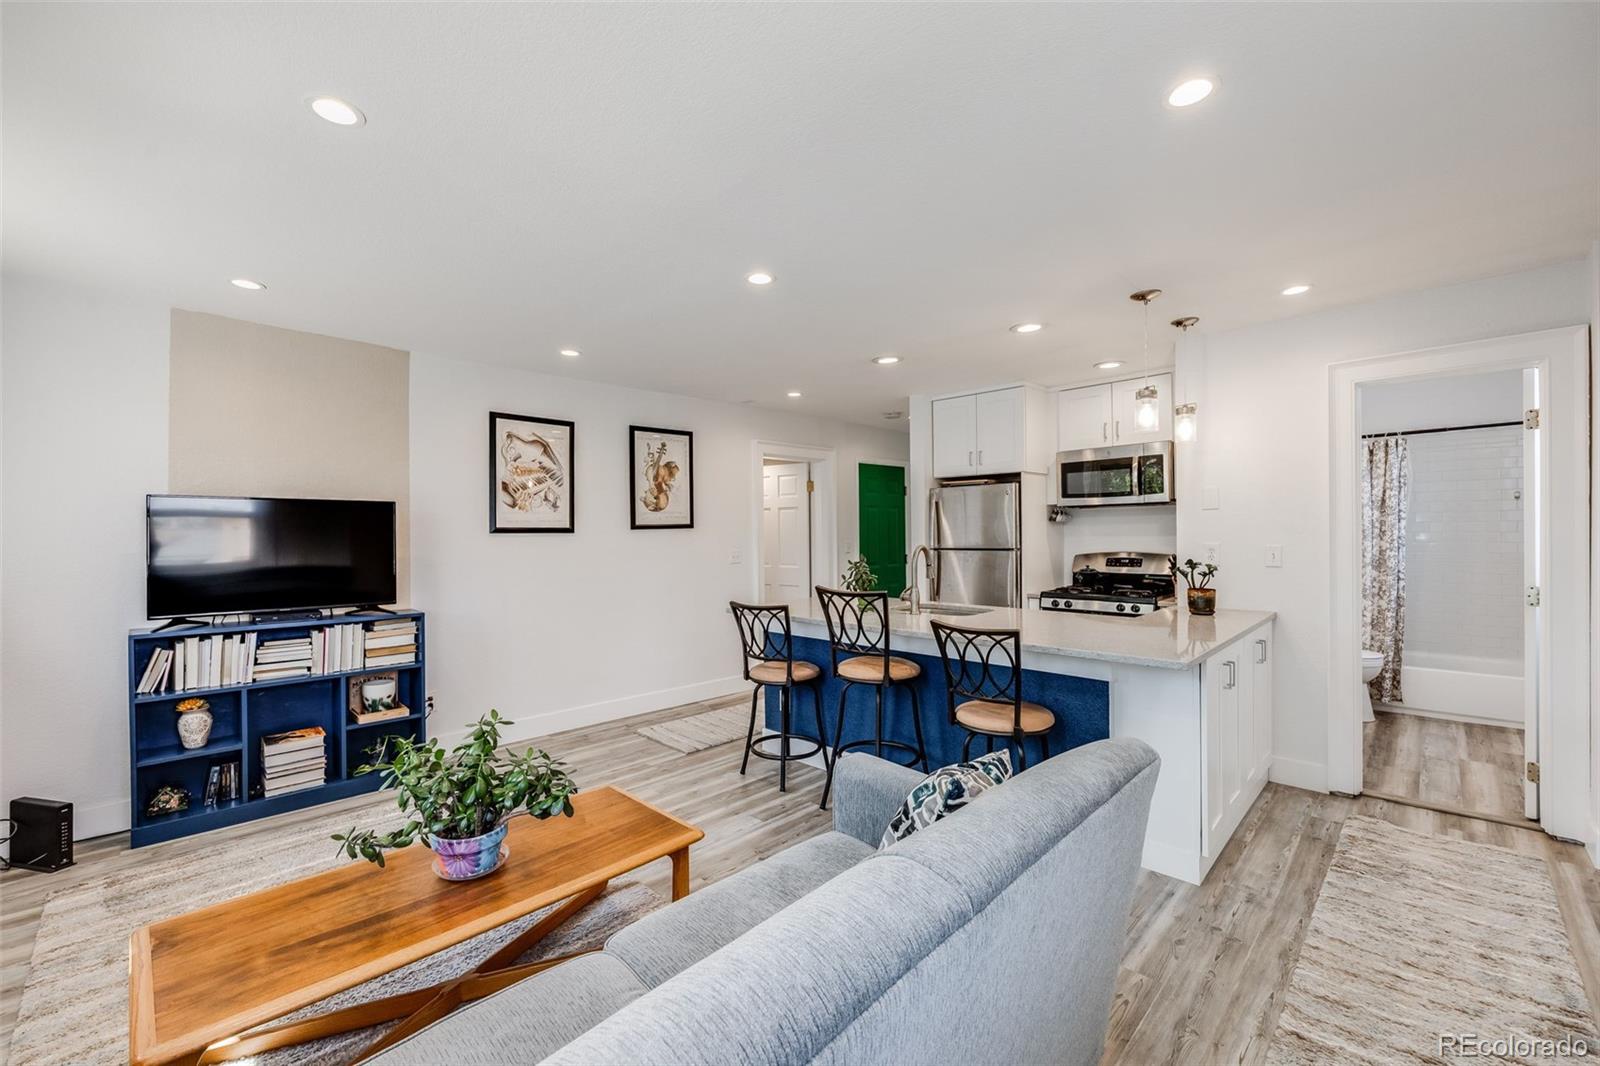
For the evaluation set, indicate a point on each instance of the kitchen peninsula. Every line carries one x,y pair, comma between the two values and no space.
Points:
1196,689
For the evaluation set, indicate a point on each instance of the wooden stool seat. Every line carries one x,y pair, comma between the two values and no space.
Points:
776,673
869,669
999,719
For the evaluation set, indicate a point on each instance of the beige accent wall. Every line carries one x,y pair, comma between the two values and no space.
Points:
261,411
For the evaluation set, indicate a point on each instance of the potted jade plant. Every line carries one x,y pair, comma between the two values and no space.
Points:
1202,597
857,576
459,801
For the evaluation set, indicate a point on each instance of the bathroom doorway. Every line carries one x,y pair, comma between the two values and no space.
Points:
1449,547
1472,606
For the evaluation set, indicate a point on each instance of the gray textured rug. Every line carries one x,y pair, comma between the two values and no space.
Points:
704,730
1416,939
74,1006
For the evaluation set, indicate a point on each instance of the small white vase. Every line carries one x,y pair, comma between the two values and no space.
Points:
194,728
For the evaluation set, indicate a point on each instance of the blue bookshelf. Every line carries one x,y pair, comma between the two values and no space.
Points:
243,714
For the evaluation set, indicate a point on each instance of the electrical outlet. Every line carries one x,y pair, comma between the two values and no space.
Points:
1212,552
736,557
1274,554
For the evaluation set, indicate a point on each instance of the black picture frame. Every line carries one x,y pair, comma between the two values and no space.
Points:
636,466
567,469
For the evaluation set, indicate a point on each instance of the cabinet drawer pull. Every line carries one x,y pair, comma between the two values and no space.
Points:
1261,648
1105,431
980,456
969,459
1233,674
1117,425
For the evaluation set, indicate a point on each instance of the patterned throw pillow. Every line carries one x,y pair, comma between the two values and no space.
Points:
945,791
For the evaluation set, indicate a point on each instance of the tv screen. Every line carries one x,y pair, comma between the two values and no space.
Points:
208,555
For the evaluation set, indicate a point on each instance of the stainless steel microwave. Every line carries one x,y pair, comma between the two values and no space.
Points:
1128,473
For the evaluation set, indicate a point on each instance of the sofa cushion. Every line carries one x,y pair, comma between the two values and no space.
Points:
666,942
526,1021
945,791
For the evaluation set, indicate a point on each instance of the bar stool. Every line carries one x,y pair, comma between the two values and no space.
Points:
768,647
858,630
981,671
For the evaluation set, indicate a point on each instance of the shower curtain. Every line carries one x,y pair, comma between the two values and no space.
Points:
1383,557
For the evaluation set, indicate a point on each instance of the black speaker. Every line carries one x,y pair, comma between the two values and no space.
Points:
41,837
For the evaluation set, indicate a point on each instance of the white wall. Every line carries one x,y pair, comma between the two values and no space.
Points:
562,630
1467,400
1594,544
1145,528
85,437
1464,581
1264,446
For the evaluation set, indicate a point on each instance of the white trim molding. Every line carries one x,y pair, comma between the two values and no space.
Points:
1562,358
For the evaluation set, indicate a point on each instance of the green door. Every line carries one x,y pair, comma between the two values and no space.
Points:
883,523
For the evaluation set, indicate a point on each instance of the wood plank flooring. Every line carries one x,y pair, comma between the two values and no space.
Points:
1205,969
1464,766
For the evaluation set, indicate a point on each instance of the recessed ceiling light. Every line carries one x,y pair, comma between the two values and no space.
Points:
571,353
1109,364
1191,92
793,395
886,360
1027,327
337,111
760,277
1296,290
246,283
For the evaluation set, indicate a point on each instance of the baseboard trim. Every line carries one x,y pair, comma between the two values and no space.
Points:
1299,773
528,726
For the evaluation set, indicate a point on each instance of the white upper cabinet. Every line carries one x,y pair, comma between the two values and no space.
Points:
1098,416
1083,418
1005,431
955,436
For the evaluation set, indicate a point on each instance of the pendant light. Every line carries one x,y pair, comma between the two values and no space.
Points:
1185,422
1146,413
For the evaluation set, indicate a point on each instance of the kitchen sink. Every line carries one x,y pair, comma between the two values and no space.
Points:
944,608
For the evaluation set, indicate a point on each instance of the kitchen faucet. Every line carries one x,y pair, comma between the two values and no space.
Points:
915,590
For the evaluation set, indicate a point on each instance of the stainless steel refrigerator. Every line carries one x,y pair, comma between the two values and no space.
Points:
977,543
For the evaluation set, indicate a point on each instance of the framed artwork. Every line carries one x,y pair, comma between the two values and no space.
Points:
530,474
661,478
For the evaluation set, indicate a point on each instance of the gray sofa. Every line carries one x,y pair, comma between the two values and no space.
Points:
992,936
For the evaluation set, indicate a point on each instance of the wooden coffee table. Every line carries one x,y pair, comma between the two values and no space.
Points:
199,980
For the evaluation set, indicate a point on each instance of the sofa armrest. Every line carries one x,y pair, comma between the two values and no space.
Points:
866,793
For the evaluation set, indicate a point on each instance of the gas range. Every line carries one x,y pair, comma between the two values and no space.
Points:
1115,583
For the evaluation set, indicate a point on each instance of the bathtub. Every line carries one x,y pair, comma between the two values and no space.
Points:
1462,687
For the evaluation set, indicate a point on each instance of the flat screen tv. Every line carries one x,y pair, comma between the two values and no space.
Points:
211,555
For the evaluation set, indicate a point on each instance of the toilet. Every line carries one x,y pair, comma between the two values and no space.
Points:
1371,663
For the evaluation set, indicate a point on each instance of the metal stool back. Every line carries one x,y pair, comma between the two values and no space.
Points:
983,664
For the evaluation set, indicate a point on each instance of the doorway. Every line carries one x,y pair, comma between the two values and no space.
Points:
786,489
881,499
1545,702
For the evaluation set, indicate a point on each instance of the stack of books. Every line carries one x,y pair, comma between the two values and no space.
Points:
199,663
337,649
287,657
293,761
392,643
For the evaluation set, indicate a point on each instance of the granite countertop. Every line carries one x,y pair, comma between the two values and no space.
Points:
1170,638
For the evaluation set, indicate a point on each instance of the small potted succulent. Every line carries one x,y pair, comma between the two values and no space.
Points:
194,722
459,801
1202,597
858,576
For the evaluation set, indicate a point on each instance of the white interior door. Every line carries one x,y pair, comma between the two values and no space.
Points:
785,533
1535,660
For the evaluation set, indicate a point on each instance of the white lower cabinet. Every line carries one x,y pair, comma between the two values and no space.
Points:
1236,734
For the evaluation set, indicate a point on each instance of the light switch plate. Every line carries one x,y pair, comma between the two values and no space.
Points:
1274,554
1213,552
736,557
1210,498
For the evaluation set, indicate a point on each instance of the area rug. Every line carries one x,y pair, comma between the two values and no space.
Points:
74,1006
704,730
1420,944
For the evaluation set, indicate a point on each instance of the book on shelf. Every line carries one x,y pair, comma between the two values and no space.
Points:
293,740
390,640
400,659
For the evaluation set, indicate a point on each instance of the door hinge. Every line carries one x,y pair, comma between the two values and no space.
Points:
811,486
1533,772
1533,595
1530,418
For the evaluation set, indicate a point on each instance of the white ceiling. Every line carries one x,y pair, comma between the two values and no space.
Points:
917,176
